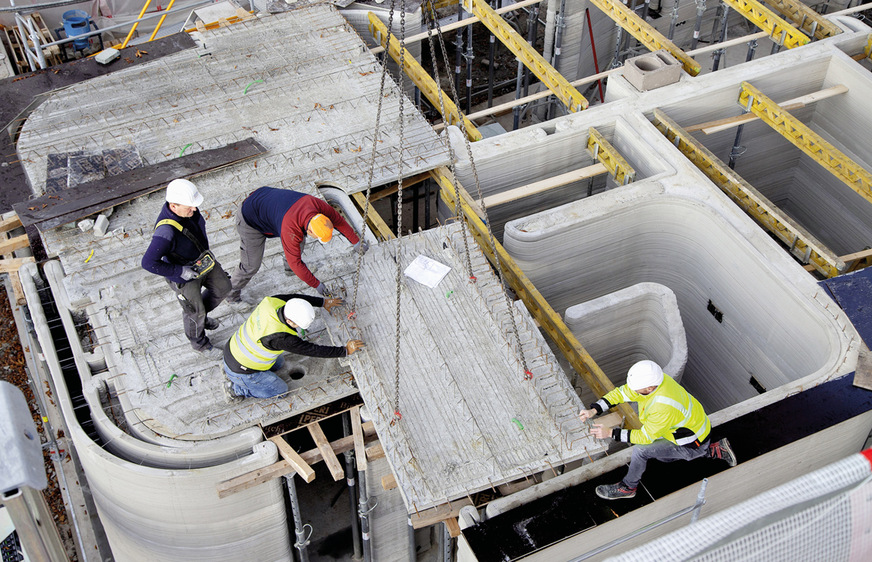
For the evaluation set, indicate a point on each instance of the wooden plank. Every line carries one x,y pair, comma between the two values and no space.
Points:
17,289
13,264
327,452
294,459
545,185
718,125
50,211
300,421
427,517
10,223
282,467
847,258
453,527
12,244
388,482
407,182
357,433
374,219
375,452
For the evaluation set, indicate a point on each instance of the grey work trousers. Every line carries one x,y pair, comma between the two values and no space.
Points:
661,450
198,297
251,247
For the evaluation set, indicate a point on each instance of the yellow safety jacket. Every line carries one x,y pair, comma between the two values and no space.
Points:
663,413
264,321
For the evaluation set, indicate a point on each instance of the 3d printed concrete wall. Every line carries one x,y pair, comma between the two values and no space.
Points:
636,323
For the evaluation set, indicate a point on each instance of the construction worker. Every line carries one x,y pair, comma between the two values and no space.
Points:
278,324
674,426
269,212
179,251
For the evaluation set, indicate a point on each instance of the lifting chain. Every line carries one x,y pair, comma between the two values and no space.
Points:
401,74
433,21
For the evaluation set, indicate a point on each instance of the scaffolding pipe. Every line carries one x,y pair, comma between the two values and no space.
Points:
700,10
532,32
37,60
413,552
673,21
352,489
736,151
299,528
725,14
470,56
363,510
458,49
593,51
752,47
160,22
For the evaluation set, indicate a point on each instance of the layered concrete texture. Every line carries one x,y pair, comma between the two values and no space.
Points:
470,418
640,322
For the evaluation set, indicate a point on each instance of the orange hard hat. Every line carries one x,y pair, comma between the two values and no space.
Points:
321,227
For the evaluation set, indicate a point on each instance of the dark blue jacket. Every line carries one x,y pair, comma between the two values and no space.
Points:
266,207
170,249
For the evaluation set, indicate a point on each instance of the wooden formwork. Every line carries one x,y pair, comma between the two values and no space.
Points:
8,245
53,53
16,53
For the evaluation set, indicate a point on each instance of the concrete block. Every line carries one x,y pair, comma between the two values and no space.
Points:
652,70
85,225
636,323
101,225
21,463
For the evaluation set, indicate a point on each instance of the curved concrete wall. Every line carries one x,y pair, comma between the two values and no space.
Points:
777,325
153,513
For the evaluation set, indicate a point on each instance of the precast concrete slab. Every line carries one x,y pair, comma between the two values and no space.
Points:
470,419
301,82
313,106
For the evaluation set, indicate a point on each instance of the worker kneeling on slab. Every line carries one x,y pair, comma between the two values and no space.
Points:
179,251
269,212
674,426
278,324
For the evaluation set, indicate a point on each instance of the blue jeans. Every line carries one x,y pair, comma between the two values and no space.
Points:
263,384
661,450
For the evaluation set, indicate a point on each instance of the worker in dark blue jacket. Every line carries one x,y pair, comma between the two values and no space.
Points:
179,251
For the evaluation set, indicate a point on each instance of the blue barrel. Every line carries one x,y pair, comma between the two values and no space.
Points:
77,22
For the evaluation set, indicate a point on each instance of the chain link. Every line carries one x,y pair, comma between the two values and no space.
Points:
434,21
399,246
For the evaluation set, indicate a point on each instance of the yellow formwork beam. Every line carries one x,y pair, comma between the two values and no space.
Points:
802,244
602,150
645,33
868,50
831,158
553,80
548,319
438,4
806,19
778,29
420,77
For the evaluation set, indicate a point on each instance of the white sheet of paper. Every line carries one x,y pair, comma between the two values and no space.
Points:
426,271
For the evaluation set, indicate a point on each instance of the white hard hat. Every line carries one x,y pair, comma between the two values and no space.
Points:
300,312
644,374
184,192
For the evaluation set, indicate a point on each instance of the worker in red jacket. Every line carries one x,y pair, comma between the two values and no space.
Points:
269,212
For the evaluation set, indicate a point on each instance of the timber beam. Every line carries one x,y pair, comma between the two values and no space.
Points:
831,158
781,32
553,80
547,317
420,77
801,243
806,19
645,33
602,150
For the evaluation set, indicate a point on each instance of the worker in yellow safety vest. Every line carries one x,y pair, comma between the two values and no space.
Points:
674,426
277,325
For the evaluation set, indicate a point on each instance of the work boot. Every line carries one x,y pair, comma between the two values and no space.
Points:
722,450
234,297
615,491
230,396
211,323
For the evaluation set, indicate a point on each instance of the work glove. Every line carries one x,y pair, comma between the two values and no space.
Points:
353,346
188,273
362,244
323,290
330,304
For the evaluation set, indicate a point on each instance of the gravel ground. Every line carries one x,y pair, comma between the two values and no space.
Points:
12,369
